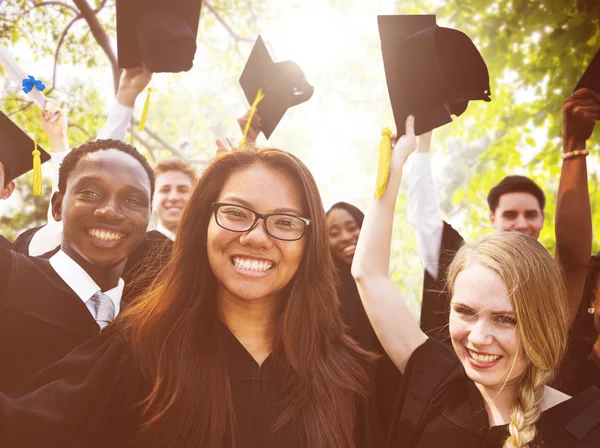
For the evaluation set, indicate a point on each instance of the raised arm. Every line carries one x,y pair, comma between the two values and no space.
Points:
391,318
133,82
573,226
423,212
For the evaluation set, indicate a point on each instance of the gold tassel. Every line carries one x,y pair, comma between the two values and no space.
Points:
37,171
145,111
259,96
385,155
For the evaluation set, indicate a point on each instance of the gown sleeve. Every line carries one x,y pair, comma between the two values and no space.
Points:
83,400
430,372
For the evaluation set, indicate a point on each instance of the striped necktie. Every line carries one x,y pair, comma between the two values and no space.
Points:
105,309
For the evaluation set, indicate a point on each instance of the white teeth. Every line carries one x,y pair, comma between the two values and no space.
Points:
483,358
105,235
252,265
350,248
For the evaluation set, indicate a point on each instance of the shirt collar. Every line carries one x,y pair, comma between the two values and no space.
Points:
80,281
166,232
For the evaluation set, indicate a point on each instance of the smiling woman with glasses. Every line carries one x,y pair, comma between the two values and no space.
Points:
238,344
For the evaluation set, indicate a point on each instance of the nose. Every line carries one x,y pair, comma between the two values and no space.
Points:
109,211
521,223
173,195
346,236
480,333
257,237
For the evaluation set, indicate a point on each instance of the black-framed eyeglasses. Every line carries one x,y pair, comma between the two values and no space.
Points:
237,218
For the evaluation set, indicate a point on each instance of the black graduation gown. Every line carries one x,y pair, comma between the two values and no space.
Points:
384,375
438,406
41,318
23,241
85,400
5,242
435,305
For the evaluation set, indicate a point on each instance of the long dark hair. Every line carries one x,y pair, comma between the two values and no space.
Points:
175,336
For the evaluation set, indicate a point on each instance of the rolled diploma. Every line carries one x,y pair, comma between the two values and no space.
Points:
16,73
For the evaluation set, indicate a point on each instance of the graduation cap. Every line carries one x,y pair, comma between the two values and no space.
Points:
283,83
591,76
160,33
432,72
17,150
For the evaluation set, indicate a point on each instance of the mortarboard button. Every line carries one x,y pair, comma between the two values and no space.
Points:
16,149
160,33
283,84
591,76
431,72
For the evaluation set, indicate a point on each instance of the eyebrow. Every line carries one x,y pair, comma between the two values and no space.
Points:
99,181
247,204
494,313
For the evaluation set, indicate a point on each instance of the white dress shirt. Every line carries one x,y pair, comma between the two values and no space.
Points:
82,284
424,213
49,237
166,232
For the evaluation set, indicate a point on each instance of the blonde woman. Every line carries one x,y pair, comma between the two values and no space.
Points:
508,326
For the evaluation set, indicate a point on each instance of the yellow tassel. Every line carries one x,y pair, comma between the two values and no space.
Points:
259,96
145,111
385,156
37,171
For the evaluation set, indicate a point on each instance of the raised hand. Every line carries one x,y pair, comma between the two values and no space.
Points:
133,82
580,112
254,129
405,145
55,130
224,146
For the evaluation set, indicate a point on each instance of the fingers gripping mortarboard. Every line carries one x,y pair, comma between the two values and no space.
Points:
591,76
16,150
283,83
160,33
431,72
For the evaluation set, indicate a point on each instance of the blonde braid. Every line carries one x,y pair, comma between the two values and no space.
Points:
527,411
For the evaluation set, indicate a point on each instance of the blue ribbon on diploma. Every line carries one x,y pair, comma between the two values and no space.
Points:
29,83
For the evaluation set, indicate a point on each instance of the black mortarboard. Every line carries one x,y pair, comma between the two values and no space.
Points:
283,84
591,76
432,72
16,149
160,33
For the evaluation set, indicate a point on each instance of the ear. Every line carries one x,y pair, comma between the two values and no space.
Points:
492,218
8,190
57,199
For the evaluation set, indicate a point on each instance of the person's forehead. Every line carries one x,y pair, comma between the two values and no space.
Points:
263,188
519,200
122,169
482,289
173,177
340,216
